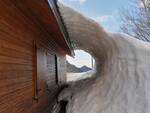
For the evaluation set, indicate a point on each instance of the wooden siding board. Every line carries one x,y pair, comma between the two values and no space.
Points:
18,31
16,45
6,59
14,54
14,67
17,98
14,87
14,74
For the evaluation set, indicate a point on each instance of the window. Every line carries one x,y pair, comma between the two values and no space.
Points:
45,70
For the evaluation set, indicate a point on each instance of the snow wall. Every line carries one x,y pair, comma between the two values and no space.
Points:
121,83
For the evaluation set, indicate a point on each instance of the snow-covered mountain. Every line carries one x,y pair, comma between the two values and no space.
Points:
73,69
85,69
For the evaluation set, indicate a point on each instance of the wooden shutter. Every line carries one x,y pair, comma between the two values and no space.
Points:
52,78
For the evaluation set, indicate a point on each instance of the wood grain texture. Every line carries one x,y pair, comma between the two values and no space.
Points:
21,23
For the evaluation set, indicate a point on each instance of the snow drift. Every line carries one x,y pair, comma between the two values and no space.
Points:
121,83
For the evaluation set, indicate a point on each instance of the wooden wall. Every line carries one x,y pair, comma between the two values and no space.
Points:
17,34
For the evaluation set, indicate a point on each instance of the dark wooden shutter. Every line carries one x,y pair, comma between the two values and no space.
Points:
52,78
41,71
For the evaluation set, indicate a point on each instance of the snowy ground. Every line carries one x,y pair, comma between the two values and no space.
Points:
121,83
78,76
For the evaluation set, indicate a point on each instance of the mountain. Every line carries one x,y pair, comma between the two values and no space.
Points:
73,69
85,69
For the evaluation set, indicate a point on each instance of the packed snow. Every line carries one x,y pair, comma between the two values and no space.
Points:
121,83
72,77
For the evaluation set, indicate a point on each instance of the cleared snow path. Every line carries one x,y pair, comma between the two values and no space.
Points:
121,83
78,76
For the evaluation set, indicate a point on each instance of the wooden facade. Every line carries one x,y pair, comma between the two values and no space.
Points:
32,56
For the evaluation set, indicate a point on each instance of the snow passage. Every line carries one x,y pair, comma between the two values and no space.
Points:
121,83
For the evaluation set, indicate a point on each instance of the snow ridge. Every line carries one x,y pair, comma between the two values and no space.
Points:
121,83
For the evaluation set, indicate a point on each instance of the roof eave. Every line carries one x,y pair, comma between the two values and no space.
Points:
63,29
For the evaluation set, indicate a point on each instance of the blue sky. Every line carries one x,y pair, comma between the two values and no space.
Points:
81,58
105,12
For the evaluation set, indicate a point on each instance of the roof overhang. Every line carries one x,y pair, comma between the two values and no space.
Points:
45,15
54,7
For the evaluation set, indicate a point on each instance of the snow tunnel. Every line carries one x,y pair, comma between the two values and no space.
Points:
121,83
81,66
87,35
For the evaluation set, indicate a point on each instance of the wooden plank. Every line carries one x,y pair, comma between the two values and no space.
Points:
5,59
14,54
16,96
15,99
13,45
14,87
8,82
15,67
14,74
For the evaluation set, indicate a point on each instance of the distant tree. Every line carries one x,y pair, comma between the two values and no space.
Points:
136,21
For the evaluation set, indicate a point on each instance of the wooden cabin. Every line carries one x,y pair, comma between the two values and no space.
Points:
33,45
